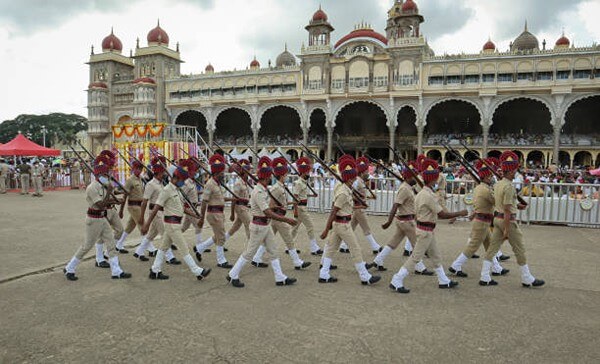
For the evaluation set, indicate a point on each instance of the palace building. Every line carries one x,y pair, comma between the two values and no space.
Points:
364,89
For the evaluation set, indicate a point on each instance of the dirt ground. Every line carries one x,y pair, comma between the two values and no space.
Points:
44,318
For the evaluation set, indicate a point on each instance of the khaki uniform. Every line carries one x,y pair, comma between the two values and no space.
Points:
75,175
301,191
242,211
213,195
260,234
171,202
359,217
441,191
342,199
4,169
97,229
483,203
151,192
427,208
285,230
189,190
135,188
506,194
37,172
25,174
405,226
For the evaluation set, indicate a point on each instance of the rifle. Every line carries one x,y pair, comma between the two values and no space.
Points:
199,163
519,198
298,173
463,162
235,161
91,170
403,161
355,193
373,160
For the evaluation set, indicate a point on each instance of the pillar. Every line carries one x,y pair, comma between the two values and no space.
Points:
255,140
211,137
484,147
305,135
392,142
329,154
556,145
420,129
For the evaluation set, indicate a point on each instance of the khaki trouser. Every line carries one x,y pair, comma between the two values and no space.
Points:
97,230
344,232
75,179
261,235
403,229
359,217
115,222
285,230
173,235
425,243
38,185
3,180
480,234
515,239
157,226
135,216
24,184
189,221
304,218
242,216
217,223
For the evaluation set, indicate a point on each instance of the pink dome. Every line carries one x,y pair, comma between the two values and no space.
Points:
410,7
319,15
158,35
359,33
489,45
97,85
111,43
144,80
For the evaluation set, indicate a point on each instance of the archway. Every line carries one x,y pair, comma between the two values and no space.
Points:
317,133
452,119
582,159
520,155
521,121
406,131
233,126
449,157
280,125
361,126
124,119
193,118
581,122
471,155
292,153
564,159
494,153
435,155
535,159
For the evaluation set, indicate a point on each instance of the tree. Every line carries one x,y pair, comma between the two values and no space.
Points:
59,128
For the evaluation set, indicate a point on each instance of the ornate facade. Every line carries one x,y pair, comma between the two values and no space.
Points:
365,90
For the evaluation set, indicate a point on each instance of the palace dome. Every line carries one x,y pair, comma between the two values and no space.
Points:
362,33
525,41
285,58
489,46
319,15
158,36
209,68
111,43
410,7
254,63
563,41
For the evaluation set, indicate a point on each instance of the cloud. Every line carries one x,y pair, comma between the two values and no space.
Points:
444,16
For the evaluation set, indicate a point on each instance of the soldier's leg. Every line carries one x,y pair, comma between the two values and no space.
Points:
246,219
201,247
347,234
286,235
217,222
315,249
395,240
113,258
176,237
331,246
257,235
421,245
3,184
271,248
92,235
478,234
495,242
361,216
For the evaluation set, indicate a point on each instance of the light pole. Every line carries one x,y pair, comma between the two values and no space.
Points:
44,130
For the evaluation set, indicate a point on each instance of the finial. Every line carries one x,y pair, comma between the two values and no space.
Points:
137,42
130,53
285,47
111,30
319,6
158,22
177,47
92,53
526,25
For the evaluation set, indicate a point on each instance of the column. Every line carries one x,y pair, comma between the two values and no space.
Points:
392,142
255,140
420,129
484,147
556,149
211,137
305,135
329,154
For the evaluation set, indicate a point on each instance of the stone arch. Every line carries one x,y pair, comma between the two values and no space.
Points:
348,103
568,111
123,118
471,155
231,122
440,101
500,102
583,158
192,117
535,157
403,128
317,124
435,155
282,114
473,120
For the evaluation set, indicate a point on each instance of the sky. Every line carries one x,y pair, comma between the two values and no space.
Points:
45,44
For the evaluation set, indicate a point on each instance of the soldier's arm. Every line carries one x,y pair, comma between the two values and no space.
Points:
329,224
391,216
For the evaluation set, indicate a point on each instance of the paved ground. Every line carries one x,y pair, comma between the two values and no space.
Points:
44,318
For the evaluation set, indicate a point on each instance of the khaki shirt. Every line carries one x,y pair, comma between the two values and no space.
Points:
259,200
94,193
135,188
505,194
37,171
342,199
483,199
4,169
24,168
75,166
441,190
189,190
170,201
278,192
241,189
152,190
427,206
213,193
301,188
360,186
405,198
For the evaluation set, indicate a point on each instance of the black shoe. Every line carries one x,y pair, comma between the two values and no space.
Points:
372,280
174,247
173,261
380,268
458,273
536,283
287,282
331,267
399,289
159,275
123,275
474,256
503,272
328,280
288,252
152,254
198,255
140,257
318,252
344,250
204,274
70,276
449,285
406,253
105,257
304,265
226,250
375,252
259,265
369,265
503,257
225,265
103,264
424,272
235,282
208,250
426,254
490,283
122,251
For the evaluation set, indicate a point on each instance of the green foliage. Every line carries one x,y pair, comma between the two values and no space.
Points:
59,128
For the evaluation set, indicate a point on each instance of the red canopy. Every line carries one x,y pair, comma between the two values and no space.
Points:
23,146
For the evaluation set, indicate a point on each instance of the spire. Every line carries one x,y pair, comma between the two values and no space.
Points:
111,30
137,42
158,22
92,53
526,26
285,47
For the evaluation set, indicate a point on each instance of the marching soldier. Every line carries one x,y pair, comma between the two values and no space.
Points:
135,194
213,203
99,197
37,173
190,190
169,201
339,224
278,205
261,233
427,211
483,204
4,170
304,167
505,225
24,174
240,210
75,174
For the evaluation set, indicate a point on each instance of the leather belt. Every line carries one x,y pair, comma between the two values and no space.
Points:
303,203
215,209
242,202
500,215
279,211
173,219
405,217
160,208
260,220
484,217
96,214
343,219
427,226
134,203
